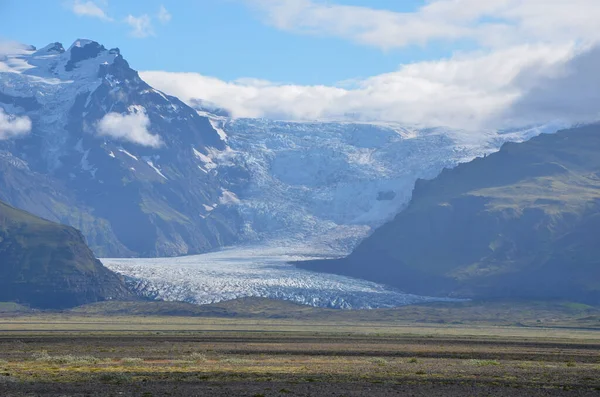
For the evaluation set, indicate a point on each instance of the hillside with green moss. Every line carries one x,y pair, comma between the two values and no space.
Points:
47,265
521,223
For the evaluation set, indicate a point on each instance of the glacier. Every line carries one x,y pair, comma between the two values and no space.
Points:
255,271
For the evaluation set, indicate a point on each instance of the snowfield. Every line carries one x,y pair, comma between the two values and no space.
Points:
254,272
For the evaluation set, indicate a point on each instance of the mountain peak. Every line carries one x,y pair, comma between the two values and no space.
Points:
83,60
52,48
82,50
80,43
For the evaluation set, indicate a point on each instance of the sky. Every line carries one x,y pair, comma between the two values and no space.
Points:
227,39
460,63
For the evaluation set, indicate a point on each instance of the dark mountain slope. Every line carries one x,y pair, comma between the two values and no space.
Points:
48,265
50,199
521,223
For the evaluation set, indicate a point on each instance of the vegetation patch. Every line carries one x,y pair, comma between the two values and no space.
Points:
289,356
132,361
68,359
483,363
115,377
197,357
379,361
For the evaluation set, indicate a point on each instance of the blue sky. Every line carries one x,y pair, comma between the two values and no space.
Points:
467,64
228,39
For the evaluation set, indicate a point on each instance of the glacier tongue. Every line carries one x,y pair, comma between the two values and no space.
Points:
259,271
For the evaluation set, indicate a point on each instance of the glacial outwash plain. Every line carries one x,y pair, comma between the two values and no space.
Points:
260,347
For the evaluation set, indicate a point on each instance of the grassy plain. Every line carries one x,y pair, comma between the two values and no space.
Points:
267,350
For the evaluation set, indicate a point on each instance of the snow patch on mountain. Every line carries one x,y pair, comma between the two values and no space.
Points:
208,164
128,154
155,168
217,126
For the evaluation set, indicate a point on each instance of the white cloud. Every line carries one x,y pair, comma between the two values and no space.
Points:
468,91
163,15
8,60
141,26
131,127
12,47
535,62
12,126
490,23
89,9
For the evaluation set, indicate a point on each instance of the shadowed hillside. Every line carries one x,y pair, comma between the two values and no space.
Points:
48,265
521,223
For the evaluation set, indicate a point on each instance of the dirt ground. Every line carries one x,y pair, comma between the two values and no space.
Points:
97,355
272,389
255,364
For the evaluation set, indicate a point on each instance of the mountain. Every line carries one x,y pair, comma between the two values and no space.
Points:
114,156
142,174
520,223
47,265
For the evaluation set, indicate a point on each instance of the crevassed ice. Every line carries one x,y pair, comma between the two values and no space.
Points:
254,272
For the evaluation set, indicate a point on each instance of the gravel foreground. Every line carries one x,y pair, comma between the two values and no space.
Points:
269,389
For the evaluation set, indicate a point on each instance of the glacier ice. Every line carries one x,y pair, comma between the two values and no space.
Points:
335,181
255,271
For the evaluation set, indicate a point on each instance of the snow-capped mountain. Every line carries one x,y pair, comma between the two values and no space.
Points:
143,174
110,155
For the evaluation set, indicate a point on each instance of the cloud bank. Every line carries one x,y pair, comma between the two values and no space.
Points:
534,62
131,127
467,92
490,23
12,126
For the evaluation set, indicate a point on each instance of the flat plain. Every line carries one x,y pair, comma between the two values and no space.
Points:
275,349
